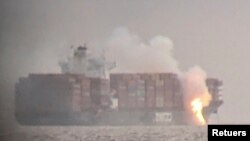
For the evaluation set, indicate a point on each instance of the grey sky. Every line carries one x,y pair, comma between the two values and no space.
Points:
213,34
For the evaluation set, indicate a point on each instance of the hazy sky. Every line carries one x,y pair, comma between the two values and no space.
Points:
214,34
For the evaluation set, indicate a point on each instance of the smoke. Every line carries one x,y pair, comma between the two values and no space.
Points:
133,55
194,85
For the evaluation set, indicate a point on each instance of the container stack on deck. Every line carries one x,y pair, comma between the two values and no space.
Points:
80,95
59,95
77,99
147,91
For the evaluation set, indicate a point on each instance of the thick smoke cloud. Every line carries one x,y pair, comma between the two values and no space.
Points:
194,85
132,54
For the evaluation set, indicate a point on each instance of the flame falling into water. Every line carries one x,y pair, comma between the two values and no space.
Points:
197,107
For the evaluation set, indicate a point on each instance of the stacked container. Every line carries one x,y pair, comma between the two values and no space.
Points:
76,97
85,99
147,90
150,93
141,93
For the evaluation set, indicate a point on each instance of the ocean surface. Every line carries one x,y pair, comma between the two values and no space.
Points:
121,133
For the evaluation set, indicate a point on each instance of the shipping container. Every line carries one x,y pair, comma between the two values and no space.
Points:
150,98
61,93
122,95
81,95
150,94
76,99
157,90
86,103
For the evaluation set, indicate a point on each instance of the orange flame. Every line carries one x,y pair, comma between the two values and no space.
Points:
197,107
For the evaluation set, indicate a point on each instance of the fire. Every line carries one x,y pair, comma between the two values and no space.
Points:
197,107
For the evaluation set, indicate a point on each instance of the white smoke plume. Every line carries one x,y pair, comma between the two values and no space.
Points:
194,85
133,55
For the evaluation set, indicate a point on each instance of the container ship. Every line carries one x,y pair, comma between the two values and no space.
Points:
83,94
